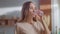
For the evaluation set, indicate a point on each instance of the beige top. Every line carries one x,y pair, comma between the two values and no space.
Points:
26,28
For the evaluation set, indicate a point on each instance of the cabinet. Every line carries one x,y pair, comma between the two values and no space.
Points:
7,30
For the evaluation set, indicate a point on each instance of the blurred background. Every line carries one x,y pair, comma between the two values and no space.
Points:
10,13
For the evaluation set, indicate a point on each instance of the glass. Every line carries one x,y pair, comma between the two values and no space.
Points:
39,12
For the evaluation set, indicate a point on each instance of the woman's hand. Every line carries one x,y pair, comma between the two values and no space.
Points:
45,25
37,17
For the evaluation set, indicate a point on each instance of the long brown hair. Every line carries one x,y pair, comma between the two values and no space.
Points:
25,9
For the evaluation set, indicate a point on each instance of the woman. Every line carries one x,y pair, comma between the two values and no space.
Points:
28,24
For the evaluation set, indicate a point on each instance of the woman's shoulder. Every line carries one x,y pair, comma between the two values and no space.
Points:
22,23
18,23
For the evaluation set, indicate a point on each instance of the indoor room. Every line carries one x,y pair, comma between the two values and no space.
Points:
42,17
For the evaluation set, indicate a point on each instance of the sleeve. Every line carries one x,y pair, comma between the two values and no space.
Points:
19,30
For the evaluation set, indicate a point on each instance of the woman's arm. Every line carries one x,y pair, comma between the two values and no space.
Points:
45,25
46,29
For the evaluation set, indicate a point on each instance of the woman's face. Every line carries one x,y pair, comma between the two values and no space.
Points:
31,9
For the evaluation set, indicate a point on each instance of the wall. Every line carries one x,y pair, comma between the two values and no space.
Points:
55,16
12,5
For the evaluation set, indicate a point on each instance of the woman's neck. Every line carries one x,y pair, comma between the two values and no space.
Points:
29,20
